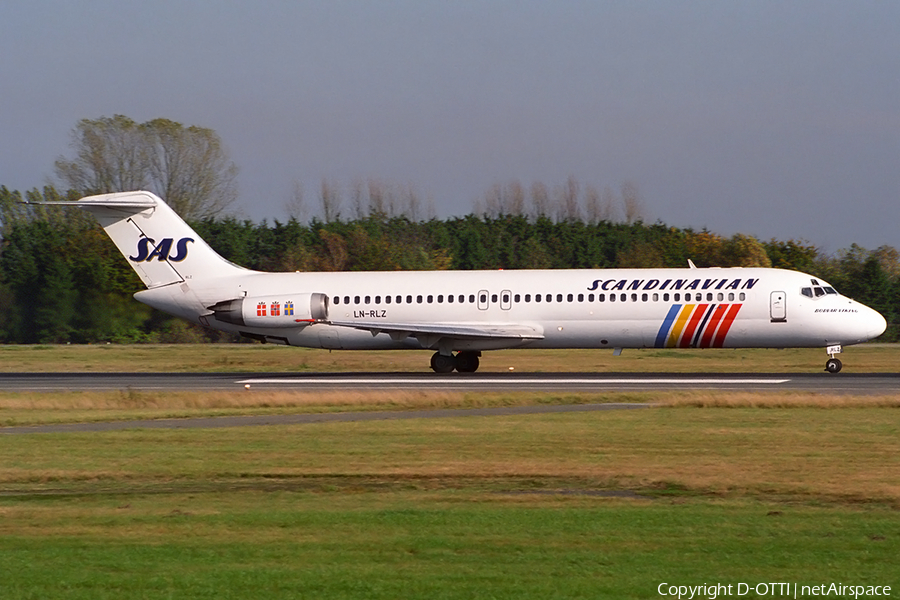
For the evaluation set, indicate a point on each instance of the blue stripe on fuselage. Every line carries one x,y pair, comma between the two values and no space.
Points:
667,324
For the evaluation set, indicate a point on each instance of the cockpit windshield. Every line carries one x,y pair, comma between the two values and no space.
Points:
817,290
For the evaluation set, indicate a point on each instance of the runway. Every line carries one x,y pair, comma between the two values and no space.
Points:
857,384
841,383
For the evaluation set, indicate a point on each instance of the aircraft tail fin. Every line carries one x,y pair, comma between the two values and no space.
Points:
159,245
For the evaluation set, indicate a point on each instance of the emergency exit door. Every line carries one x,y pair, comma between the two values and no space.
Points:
778,307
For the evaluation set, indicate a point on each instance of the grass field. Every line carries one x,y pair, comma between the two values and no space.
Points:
872,358
592,505
706,488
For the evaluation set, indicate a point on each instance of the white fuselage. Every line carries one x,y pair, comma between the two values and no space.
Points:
465,312
609,308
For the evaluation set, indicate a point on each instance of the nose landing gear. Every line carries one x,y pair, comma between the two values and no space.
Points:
464,362
833,365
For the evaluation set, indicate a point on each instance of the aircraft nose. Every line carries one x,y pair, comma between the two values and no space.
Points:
875,323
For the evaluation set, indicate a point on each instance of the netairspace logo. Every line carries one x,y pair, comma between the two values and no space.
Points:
770,589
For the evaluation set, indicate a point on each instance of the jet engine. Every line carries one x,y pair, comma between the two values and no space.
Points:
283,310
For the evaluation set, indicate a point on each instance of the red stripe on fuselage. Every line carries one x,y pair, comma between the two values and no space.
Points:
726,325
718,313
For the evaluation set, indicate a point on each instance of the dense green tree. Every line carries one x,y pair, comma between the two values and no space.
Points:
62,279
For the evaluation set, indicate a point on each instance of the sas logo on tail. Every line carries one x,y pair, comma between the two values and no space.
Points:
147,250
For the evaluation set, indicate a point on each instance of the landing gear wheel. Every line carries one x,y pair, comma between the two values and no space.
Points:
467,362
833,365
441,363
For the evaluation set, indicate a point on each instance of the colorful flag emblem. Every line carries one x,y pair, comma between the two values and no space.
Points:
288,308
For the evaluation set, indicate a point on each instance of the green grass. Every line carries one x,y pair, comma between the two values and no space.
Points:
414,545
259,357
795,488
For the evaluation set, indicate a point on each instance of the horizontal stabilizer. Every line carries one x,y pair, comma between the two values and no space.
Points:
140,202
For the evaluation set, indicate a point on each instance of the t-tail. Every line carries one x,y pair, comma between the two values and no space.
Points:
158,244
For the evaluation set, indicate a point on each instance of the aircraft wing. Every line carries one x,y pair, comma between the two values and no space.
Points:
434,331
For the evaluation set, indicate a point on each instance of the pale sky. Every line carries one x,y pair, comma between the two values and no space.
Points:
771,118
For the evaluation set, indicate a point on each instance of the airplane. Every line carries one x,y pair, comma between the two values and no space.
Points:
460,314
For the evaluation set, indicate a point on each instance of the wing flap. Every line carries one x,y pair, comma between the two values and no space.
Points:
479,331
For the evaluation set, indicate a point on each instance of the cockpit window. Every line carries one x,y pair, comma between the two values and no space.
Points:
817,290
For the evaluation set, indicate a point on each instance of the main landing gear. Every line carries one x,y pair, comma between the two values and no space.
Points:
833,365
464,362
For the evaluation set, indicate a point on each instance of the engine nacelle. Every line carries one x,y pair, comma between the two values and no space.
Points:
283,310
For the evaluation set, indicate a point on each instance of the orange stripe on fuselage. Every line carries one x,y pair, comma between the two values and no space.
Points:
679,325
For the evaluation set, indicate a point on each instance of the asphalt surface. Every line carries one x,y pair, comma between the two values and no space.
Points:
344,417
858,384
840,383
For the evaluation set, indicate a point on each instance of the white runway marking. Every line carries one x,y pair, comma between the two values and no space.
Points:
465,381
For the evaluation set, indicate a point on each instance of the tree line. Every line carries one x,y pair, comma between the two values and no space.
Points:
62,280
